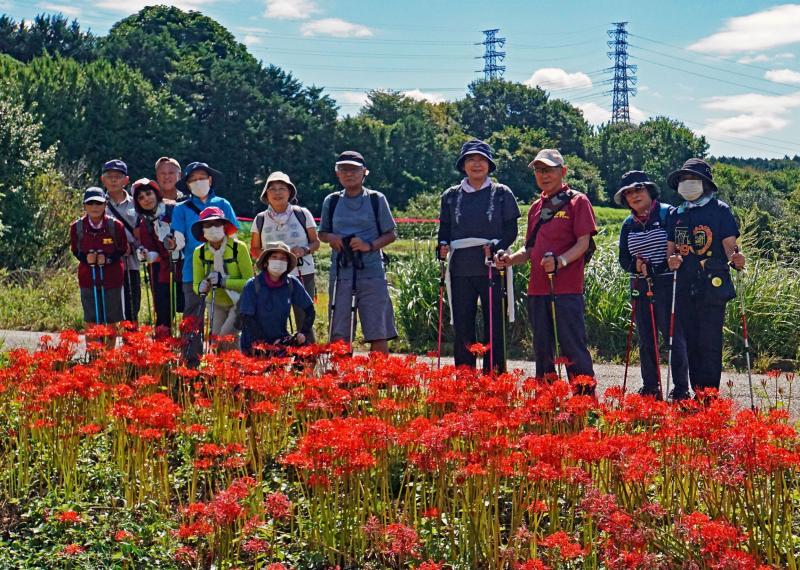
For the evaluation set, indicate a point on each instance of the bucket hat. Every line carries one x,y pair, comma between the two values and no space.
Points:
634,179
475,146
696,166
272,247
183,184
209,214
279,176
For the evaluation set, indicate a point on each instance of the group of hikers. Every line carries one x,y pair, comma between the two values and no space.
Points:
181,236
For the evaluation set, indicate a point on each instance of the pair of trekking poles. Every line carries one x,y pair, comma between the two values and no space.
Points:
97,270
634,295
347,257
491,265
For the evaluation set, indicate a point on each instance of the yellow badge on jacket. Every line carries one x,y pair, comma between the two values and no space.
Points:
108,241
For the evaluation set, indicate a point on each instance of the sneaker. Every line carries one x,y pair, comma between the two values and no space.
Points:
649,392
677,395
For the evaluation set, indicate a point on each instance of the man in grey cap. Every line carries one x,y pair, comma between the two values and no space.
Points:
357,223
560,229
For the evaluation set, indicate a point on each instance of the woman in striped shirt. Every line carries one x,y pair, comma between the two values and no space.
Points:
643,254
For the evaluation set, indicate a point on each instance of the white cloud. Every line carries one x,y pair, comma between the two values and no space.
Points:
769,28
250,40
755,114
335,27
73,11
352,98
418,95
783,76
290,9
131,6
551,78
762,57
596,115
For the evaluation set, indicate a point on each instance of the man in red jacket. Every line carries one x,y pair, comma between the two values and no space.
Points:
99,242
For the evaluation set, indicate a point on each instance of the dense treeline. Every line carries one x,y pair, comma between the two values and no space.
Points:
165,81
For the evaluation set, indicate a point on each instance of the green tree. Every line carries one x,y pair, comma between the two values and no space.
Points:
45,35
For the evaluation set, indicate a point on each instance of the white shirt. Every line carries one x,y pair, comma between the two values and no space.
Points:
287,228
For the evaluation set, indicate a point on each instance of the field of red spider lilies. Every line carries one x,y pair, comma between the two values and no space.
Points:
126,459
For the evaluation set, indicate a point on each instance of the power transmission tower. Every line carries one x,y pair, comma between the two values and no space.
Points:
624,79
491,69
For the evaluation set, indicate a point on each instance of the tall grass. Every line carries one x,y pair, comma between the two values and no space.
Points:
46,300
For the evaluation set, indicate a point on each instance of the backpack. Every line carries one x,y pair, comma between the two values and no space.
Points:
547,214
501,196
112,230
239,322
298,213
376,205
225,261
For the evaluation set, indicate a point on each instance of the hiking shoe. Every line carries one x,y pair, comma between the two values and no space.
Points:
678,395
649,392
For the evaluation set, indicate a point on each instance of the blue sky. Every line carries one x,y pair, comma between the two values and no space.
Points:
728,69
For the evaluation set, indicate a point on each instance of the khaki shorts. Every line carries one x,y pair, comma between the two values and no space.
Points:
373,307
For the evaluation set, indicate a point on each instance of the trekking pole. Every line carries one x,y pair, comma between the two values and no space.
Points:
353,301
211,317
129,296
442,274
94,291
503,310
172,303
146,268
491,315
655,331
103,293
634,298
744,330
332,301
671,328
550,275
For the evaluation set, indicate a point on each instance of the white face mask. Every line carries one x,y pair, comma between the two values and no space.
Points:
200,188
277,266
214,233
690,190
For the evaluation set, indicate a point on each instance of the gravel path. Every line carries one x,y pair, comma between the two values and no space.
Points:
607,375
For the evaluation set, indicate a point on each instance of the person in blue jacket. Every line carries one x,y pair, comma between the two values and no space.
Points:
643,254
201,181
268,298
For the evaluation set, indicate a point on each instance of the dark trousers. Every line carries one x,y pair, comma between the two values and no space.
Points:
702,326
572,339
131,295
662,308
465,292
300,314
162,298
194,307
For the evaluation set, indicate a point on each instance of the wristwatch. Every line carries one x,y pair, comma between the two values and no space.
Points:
562,261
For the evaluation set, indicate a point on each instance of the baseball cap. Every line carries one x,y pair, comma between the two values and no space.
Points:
549,156
116,164
351,157
94,194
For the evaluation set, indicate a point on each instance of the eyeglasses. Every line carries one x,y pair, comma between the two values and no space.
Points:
546,169
277,189
635,189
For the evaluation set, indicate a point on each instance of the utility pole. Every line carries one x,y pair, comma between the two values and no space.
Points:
624,74
491,57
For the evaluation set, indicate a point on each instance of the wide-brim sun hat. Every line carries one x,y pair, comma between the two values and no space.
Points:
475,146
183,184
273,247
140,186
632,179
279,176
210,214
696,167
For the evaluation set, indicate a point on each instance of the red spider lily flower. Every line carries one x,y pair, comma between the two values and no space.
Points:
479,349
203,464
276,566
234,463
195,429
256,546
186,556
278,506
533,564
431,513
401,541
210,450
145,380
195,510
563,361
123,536
197,529
431,565
69,517
90,429
538,507
568,550
264,407
72,550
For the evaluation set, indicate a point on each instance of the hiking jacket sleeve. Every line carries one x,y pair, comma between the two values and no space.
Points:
245,266
626,260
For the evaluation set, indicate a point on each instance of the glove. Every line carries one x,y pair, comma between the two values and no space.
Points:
152,257
101,258
141,254
214,278
204,287
91,257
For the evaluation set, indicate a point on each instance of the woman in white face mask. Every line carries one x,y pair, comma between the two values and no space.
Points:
221,266
268,299
701,247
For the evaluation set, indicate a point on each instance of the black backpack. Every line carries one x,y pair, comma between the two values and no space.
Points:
376,205
298,213
560,202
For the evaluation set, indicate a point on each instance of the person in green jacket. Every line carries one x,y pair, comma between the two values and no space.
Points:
221,266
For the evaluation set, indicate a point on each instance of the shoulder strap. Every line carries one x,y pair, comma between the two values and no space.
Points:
332,205
112,229
119,216
302,218
663,213
257,284
260,222
552,214
79,233
376,205
192,205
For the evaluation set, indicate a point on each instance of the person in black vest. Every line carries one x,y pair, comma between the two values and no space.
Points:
701,235
477,218
643,254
